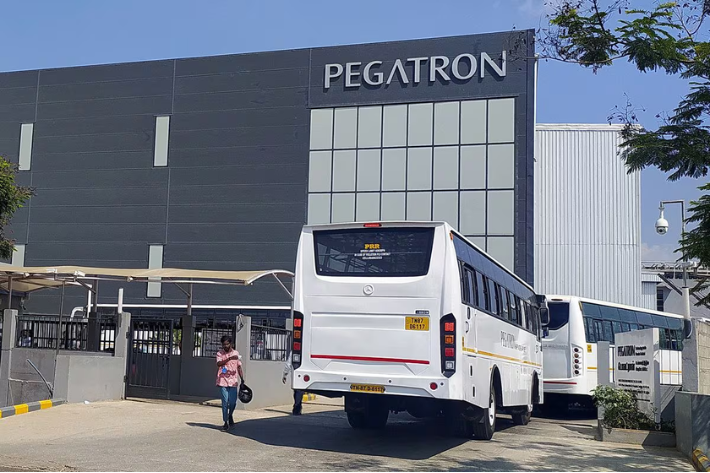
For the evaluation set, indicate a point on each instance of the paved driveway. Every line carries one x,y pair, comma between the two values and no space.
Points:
169,436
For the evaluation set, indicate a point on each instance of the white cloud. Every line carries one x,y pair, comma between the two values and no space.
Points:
658,253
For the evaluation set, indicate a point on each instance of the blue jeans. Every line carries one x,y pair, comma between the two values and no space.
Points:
229,401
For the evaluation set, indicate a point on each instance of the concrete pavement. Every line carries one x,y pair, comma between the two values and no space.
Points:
169,436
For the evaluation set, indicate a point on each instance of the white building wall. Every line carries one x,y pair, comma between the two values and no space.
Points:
587,215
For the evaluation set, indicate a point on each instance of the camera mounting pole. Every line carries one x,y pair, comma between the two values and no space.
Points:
686,290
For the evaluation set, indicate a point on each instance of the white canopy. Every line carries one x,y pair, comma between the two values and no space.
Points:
29,279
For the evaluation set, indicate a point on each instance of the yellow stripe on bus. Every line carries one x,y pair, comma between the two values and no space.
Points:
502,357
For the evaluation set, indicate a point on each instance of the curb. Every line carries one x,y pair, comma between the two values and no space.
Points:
700,460
309,397
29,407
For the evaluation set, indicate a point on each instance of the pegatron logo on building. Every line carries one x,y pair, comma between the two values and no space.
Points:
416,69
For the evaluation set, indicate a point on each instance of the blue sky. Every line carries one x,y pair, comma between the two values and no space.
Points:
51,33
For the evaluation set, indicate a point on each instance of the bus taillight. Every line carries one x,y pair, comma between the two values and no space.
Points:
297,351
448,345
577,360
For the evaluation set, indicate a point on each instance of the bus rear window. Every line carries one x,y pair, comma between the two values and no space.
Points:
377,252
559,315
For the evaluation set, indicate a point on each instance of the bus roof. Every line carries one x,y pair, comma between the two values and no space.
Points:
561,298
372,224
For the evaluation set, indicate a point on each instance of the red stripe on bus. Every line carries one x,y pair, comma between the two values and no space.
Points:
367,358
560,382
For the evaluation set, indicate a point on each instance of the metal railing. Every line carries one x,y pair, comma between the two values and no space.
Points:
208,335
269,343
43,332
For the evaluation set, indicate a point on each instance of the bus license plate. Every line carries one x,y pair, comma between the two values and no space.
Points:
367,388
417,323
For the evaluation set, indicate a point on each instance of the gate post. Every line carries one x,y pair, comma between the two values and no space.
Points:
243,344
9,331
123,331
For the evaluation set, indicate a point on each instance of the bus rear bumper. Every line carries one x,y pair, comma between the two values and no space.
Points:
565,386
347,383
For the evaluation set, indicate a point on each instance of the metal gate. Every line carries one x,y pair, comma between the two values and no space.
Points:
151,344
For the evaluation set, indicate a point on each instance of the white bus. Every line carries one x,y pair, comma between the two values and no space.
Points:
413,317
570,345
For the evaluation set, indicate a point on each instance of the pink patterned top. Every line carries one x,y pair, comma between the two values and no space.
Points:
228,375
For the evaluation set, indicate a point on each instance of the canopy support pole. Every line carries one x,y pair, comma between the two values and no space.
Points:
283,286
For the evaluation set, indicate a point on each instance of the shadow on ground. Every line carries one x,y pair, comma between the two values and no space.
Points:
404,437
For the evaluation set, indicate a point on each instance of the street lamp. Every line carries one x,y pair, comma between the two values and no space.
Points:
662,229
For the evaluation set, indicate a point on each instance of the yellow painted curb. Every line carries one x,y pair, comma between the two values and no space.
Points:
309,397
700,461
18,409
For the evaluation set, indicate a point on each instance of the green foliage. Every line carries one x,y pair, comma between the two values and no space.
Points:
621,410
696,240
671,38
12,197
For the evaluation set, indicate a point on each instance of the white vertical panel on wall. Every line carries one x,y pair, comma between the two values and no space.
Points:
345,135
446,123
155,261
587,215
322,129
26,134
473,122
393,206
18,256
162,139
369,127
394,126
320,171
420,124
318,209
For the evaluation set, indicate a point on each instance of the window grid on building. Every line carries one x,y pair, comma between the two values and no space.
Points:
450,161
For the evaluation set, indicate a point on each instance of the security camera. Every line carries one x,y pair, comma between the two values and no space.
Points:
661,226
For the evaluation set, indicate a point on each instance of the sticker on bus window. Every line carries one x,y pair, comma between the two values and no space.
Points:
589,348
372,251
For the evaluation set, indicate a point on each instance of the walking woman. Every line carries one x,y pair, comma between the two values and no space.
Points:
229,378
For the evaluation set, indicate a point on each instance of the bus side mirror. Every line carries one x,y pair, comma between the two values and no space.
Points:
544,316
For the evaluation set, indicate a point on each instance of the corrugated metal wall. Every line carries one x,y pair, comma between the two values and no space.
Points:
587,215
649,286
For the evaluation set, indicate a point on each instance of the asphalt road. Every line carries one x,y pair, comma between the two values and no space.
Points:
169,436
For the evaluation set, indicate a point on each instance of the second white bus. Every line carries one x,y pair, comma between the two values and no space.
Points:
413,317
570,345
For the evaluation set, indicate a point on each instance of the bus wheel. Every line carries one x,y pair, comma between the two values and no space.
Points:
522,417
357,419
484,430
377,416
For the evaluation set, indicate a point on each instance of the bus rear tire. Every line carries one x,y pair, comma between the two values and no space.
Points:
522,418
484,430
373,415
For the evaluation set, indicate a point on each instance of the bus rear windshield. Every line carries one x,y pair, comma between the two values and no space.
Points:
559,315
380,252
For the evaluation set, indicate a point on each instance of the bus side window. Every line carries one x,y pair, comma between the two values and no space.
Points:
503,302
464,290
481,290
473,285
493,296
617,327
486,294
515,314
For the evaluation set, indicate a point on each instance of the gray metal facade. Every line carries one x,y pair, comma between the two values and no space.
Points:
234,192
587,215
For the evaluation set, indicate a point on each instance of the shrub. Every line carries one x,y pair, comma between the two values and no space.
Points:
621,410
